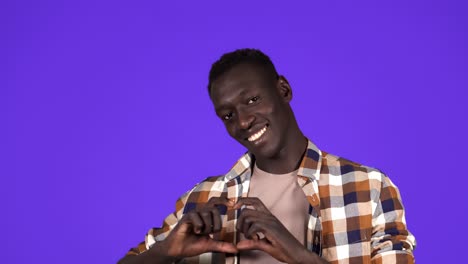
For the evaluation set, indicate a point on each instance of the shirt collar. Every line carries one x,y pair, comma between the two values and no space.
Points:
310,164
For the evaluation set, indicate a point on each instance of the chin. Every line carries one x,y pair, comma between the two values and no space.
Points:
266,152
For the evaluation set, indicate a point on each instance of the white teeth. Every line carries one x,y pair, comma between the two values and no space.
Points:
257,135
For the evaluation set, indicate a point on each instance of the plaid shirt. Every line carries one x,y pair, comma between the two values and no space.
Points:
355,213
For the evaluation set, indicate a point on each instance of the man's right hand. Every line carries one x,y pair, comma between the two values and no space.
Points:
190,237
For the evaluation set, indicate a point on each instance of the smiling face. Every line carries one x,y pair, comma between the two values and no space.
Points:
254,107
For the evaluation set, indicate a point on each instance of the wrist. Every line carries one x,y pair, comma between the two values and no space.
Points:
161,252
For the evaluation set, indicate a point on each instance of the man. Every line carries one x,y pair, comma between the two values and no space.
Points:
284,200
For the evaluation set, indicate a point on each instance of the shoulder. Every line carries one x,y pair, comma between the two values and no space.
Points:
213,186
354,181
346,170
209,184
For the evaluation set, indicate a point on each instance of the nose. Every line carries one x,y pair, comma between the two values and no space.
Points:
245,120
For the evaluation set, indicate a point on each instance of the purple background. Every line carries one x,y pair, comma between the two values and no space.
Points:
105,118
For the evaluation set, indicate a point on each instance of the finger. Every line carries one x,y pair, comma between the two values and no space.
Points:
246,226
220,201
217,223
207,222
220,246
255,231
241,224
261,244
197,223
221,204
258,236
249,213
253,201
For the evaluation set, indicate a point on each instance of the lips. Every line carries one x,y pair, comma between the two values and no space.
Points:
258,134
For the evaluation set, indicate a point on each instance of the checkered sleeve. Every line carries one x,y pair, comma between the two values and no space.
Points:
160,233
391,240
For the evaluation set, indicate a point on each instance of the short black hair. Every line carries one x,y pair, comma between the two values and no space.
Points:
240,56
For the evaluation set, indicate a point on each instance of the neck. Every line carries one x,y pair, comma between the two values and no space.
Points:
288,159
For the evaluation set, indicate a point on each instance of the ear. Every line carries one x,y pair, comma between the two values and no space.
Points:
284,89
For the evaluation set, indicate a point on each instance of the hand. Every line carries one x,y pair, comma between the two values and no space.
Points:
190,237
277,241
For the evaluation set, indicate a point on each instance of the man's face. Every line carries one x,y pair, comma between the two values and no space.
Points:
254,107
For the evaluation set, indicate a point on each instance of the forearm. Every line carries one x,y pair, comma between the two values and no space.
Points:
391,241
154,255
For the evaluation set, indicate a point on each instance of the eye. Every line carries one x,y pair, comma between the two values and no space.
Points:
227,116
253,100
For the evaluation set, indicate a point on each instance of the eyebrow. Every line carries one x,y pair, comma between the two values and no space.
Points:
224,106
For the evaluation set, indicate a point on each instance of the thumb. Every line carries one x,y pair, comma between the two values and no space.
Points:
220,246
184,227
249,244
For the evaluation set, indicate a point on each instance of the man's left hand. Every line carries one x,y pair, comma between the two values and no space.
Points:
277,241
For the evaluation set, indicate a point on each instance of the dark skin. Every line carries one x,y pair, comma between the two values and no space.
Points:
190,237
248,100
278,242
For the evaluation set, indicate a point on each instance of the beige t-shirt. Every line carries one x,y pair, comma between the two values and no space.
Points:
285,199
